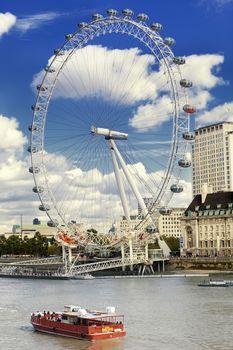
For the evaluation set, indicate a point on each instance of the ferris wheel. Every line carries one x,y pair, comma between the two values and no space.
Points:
110,130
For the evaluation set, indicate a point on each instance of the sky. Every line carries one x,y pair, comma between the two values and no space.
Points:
30,31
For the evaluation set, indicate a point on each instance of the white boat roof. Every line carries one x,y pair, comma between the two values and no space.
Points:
89,313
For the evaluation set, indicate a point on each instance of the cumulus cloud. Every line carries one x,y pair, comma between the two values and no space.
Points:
111,75
7,21
11,138
217,114
30,22
152,114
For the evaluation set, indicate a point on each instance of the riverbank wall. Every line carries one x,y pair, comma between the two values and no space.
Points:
201,263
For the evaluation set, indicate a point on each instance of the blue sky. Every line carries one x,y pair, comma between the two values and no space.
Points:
203,33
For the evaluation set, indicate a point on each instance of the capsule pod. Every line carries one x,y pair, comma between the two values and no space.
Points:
179,60
32,128
189,136
184,163
176,188
68,36
127,13
41,87
169,41
82,25
112,12
165,211
34,170
186,83
35,108
189,109
97,17
38,189
157,27
142,17
58,52
32,149
44,207
49,69
52,223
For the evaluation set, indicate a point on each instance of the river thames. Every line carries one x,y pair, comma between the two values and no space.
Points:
166,313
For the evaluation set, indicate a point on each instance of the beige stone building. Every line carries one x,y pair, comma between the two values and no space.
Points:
170,225
207,225
212,157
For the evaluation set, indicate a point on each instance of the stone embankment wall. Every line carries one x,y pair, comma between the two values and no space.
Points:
200,263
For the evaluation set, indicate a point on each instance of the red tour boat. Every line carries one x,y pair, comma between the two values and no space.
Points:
76,322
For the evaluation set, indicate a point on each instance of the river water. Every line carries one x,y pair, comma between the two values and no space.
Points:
166,313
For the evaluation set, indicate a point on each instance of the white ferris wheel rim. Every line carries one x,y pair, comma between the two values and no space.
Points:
121,25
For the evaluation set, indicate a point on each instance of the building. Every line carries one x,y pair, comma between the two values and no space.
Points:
207,224
212,157
149,202
30,230
170,225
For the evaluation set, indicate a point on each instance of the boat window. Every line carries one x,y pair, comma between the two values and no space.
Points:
63,317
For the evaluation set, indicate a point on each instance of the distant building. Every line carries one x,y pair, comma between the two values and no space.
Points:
30,230
207,224
149,202
170,225
212,157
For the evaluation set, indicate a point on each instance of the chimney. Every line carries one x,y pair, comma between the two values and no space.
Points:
205,190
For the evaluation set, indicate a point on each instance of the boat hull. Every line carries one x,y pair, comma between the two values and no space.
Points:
56,328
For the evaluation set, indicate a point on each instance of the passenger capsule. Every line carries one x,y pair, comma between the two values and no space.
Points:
179,60
58,52
52,223
157,27
68,36
32,128
82,25
142,17
189,136
127,13
189,109
176,189
165,211
169,41
38,189
32,149
35,108
41,88
97,17
49,69
186,83
112,12
34,170
184,163
45,207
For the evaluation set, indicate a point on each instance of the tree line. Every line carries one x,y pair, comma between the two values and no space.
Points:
39,245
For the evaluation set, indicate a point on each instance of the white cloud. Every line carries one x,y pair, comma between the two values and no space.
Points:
200,69
26,23
217,114
7,21
152,114
112,75
11,138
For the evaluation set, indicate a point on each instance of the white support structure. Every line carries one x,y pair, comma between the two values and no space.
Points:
120,184
130,178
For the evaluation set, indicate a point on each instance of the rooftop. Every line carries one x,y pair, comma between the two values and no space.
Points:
215,124
212,201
